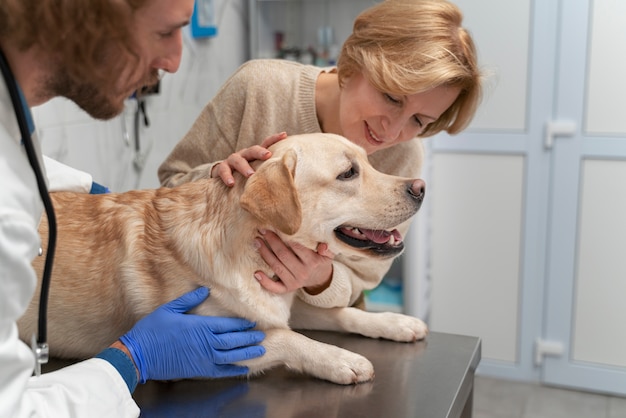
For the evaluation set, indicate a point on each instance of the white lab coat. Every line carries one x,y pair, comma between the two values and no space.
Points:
88,389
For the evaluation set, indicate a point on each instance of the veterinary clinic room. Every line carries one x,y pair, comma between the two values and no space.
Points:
313,208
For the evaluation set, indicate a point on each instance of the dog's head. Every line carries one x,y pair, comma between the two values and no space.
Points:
322,188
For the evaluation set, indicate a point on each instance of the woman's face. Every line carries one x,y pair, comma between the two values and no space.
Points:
376,120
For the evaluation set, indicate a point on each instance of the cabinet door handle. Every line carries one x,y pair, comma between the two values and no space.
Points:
561,127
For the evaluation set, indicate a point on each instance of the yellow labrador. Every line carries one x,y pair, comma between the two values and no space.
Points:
120,256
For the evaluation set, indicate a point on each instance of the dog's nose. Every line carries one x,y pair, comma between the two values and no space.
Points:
417,190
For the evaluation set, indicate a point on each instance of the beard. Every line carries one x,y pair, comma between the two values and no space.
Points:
91,97
91,100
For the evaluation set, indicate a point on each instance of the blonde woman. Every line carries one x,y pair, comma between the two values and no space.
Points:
407,71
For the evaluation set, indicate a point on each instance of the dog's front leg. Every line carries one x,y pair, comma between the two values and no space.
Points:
302,354
387,325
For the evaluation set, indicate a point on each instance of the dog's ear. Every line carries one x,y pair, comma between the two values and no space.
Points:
270,194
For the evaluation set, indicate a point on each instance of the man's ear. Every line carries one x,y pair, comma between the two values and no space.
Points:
270,194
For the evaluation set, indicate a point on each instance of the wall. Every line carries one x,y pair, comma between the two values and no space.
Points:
99,147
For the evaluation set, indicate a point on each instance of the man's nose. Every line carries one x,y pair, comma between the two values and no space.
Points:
171,58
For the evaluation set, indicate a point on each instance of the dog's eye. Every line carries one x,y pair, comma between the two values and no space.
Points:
346,175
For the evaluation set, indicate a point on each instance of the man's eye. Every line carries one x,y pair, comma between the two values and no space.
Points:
347,174
169,33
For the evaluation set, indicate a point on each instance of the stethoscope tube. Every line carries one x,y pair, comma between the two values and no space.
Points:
41,348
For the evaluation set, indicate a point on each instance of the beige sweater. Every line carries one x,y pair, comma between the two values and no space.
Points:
262,98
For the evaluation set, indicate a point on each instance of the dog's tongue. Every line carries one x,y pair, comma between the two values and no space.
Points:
381,237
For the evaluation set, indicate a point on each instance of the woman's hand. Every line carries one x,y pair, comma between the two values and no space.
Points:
294,265
240,161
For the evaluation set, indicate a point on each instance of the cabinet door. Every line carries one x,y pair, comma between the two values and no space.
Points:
528,235
586,279
487,190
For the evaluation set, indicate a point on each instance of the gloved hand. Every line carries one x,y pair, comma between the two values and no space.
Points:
169,344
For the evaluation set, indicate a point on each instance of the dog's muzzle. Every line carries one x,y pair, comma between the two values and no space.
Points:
381,243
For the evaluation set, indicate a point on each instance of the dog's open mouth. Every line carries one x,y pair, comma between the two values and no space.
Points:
380,242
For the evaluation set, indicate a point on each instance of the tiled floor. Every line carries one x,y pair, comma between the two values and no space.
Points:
495,398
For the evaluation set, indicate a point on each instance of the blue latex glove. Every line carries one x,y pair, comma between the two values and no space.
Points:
170,344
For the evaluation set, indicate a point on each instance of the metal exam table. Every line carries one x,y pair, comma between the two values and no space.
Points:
433,378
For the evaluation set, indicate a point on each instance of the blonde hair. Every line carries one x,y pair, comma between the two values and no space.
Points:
405,47
80,33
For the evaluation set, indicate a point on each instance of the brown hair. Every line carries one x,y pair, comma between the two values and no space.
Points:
410,46
79,33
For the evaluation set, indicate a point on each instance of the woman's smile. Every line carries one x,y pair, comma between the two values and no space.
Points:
371,136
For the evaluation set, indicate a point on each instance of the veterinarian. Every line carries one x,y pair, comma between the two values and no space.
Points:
408,71
95,53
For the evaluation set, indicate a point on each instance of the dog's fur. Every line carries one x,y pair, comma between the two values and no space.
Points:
120,256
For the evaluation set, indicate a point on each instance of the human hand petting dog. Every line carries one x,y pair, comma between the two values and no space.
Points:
240,161
170,344
294,265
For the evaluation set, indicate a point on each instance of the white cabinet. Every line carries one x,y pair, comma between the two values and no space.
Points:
528,235
302,29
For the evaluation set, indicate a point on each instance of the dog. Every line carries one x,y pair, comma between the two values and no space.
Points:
122,255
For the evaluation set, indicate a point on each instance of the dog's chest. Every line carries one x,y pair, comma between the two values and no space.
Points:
268,310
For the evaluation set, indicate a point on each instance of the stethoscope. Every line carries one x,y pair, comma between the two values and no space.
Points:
39,343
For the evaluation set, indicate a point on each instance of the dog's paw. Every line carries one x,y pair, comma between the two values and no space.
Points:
341,366
350,368
397,327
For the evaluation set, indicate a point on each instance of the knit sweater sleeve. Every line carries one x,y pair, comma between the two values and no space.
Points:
262,98
211,138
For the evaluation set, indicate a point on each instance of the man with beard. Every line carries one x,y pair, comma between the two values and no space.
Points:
95,53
